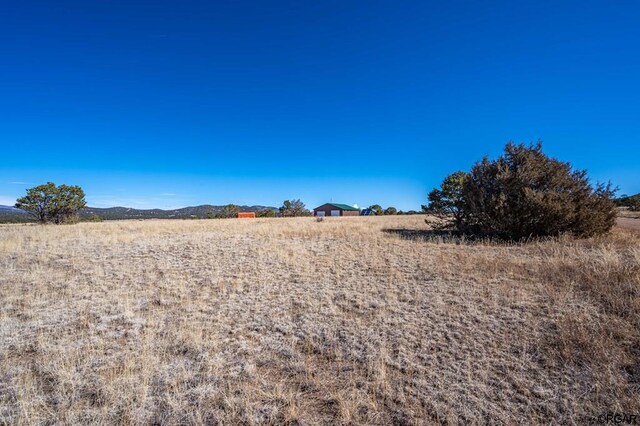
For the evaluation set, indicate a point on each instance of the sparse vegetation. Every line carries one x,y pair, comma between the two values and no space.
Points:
228,212
266,213
373,320
293,208
93,218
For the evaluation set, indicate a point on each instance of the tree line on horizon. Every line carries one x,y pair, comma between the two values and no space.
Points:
378,210
49,203
522,194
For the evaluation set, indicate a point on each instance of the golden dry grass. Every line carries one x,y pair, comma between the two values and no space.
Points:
347,321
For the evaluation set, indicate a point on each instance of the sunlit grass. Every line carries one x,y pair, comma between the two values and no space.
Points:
350,320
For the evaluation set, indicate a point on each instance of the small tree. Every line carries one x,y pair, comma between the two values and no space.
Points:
266,213
446,202
525,193
522,194
292,208
376,209
229,211
49,203
390,211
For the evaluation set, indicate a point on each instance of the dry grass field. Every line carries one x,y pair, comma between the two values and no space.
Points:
368,320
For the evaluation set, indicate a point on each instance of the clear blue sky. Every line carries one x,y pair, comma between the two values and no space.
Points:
167,104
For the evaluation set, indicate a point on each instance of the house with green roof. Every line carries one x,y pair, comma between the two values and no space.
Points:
335,209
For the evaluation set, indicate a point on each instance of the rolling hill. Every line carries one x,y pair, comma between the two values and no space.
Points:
10,214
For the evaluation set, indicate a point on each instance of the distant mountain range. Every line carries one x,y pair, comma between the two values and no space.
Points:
11,214
9,209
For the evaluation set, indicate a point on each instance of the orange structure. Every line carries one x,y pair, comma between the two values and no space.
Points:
246,215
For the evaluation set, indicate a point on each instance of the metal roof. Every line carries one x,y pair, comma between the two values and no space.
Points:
341,207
